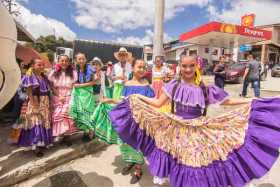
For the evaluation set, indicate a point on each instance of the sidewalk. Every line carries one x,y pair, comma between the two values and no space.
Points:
17,165
271,86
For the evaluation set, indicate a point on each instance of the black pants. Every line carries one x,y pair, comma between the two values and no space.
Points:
220,82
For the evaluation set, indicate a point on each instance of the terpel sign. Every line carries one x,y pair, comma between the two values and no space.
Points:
251,32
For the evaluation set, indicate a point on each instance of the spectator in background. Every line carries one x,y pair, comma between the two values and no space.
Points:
170,73
21,95
219,72
251,75
159,75
121,71
109,75
200,64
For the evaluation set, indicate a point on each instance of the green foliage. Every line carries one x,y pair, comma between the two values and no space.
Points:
48,45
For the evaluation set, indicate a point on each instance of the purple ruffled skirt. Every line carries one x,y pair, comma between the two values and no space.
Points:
250,160
36,136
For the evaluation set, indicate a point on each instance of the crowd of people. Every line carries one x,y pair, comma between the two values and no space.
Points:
252,75
163,122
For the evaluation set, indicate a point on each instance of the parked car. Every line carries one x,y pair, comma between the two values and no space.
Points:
235,71
275,71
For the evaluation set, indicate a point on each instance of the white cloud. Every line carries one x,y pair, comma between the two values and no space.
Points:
267,11
23,1
119,15
39,25
147,39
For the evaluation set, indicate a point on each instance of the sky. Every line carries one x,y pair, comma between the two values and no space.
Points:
131,21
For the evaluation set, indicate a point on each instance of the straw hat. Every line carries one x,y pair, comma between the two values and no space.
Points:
123,51
9,69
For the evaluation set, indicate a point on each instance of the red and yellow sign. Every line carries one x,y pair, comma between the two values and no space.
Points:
217,27
228,28
248,20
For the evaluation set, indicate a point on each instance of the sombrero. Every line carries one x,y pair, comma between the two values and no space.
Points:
9,69
123,51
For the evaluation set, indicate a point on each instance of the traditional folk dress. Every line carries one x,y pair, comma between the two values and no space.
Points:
105,131
118,70
36,123
197,151
83,103
157,80
62,123
129,154
157,85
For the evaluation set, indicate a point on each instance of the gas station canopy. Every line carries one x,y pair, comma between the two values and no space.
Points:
224,35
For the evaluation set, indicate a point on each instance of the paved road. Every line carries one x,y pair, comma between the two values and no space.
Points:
97,170
103,169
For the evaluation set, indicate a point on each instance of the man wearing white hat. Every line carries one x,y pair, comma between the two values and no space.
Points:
121,71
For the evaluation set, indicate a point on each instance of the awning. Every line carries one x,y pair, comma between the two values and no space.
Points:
223,34
26,54
23,34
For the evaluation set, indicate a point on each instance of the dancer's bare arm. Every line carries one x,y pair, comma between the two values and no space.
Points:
155,102
237,101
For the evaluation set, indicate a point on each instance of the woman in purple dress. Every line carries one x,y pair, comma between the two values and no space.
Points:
194,150
36,131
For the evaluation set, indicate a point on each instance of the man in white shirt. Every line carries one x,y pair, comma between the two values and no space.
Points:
121,71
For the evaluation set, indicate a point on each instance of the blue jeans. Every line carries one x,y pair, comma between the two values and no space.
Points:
255,85
18,101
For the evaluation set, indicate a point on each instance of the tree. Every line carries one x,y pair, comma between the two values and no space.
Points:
48,45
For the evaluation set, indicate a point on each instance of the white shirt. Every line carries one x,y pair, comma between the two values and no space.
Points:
159,74
119,71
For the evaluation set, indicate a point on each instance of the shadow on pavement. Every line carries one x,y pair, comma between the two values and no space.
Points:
75,179
119,164
14,157
147,179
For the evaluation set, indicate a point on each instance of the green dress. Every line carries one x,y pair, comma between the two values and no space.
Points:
103,126
83,103
129,154
117,90
82,108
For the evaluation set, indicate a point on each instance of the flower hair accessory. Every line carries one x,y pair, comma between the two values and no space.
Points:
57,67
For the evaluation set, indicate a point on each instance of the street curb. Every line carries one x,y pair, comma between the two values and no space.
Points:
266,90
40,167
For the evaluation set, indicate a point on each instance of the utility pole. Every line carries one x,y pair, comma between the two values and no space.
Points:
158,28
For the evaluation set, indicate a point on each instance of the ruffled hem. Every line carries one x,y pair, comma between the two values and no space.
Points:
63,126
143,90
36,136
32,81
29,80
192,95
103,126
252,160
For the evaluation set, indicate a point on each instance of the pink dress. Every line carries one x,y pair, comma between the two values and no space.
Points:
62,123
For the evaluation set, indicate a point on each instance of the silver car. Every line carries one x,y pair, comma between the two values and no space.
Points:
275,72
